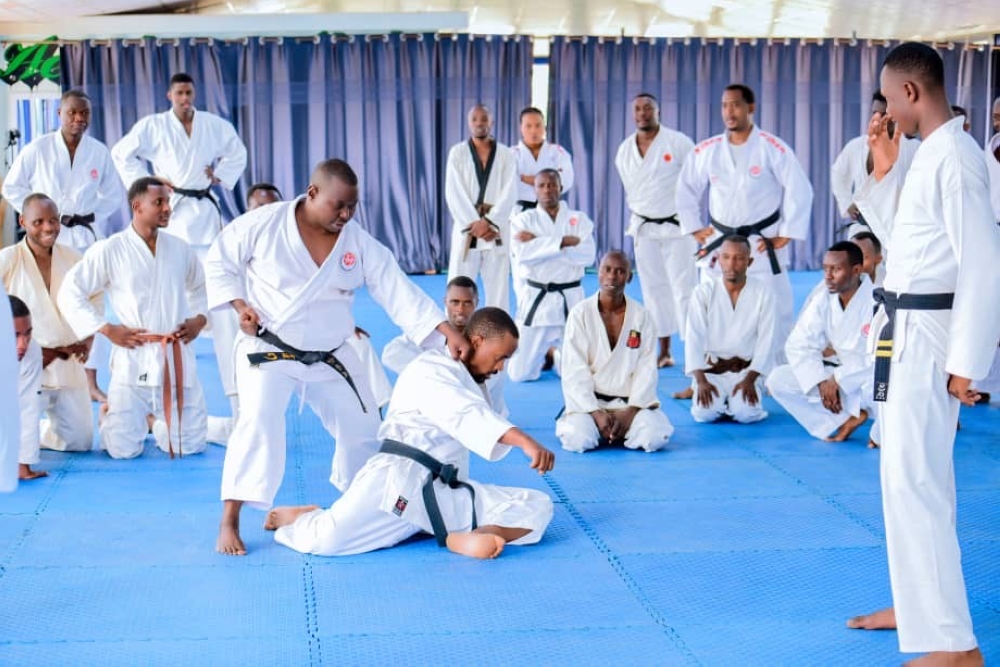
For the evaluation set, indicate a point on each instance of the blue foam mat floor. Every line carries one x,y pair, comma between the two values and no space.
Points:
740,545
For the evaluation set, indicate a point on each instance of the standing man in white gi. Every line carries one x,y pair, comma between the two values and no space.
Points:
551,246
33,270
10,424
76,171
480,189
649,163
533,154
191,151
418,482
826,385
290,271
29,389
155,285
758,190
730,337
609,374
936,332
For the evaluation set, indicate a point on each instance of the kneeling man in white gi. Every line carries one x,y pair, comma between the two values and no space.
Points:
552,246
730,334
826,384
418,481
609,371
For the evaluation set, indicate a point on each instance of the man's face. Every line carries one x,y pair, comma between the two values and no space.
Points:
613,274
996,117
900,96
838,274
646,113
547,190
532,129
262,197
74,116
335,202
735,111
734,260
152,208
22,333
181,96
489,355
459,304
872,257
40,220
480,123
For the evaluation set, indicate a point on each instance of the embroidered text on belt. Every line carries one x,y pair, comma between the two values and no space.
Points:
527,205
446,472
206,193
178,353
546,288
891,302
289,353
747,230
670,219
79,221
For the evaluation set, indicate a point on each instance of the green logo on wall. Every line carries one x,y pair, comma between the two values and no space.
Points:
32,64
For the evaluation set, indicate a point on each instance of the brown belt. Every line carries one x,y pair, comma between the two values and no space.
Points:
164,340
734,365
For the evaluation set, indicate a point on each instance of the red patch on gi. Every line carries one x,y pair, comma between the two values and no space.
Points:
348,261
400,506
634,339
573,221
667,157
94,174
865,329
755,171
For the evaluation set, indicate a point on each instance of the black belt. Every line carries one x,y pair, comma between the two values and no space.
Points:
200,194
527,205
607,398
891,302
747,230
859,221
446,472
79,221
670,219
289,353
545,288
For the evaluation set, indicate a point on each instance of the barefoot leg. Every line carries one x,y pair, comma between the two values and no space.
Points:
96,395
848,427
475,544
973,658
883,619
684,394
664,360
229,542
283,516
24,472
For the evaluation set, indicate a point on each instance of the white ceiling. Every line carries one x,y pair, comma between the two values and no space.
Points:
893,19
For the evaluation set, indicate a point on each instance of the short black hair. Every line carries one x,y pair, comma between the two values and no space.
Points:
744,90
335,168
530,110
33,197
491,322
739,240
465,282
180,77
18,308
860,236
267,187
549,171
141,186
959,111
854,255
920,61
75,93
650,96
877,96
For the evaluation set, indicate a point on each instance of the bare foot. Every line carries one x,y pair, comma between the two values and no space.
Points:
282,516
872,444
665,361
550,360
883,619
476,545
229,542
685,395
973,658
848,427
24,472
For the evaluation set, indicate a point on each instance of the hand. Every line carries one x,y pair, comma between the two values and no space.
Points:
852,212
190,328
829,392
525,236
248,317
776,241
706,392
605,422
569,241
359,333
211,175
960,388
124,336
828,351
481,229
542,459
884,149
528,180
50,354
458,344
702,234
749,388
623,422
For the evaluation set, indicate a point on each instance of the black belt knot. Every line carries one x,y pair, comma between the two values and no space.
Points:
670,219
205,193
85,220
527,205
546,288
747,230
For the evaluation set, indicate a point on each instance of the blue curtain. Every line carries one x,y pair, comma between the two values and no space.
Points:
391,105
814,96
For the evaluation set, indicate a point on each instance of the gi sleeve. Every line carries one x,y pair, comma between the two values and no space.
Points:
194,282
763,352
17,183
407,305
577,378
225,264
461,203
690,195
110,193
796,203
88,278
29,388
841,181
232,158
696,329
642,392
130,155
805,344
398,353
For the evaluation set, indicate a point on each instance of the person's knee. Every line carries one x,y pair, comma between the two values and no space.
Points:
744,413
521,369
575,438
704,415
651,430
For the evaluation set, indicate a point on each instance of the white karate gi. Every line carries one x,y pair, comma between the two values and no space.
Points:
29,390
664,257
461,192
89,185
944,239
627,371
772,180
377,379
69,426
824,322
439,409
541,260
152,292
262,259
550,156
161,140
400,351
716,330
993,167
10,412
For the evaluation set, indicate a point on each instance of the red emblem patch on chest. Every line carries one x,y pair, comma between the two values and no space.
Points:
866,329
634,339
348,261
94,174
667,157
573,221
755,171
